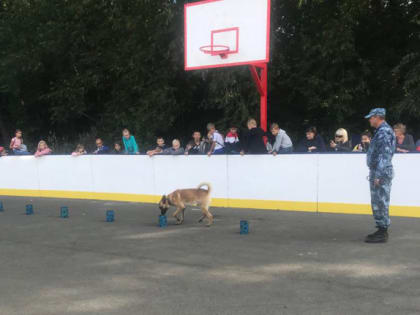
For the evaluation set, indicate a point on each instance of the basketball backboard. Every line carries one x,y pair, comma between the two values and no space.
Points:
224,33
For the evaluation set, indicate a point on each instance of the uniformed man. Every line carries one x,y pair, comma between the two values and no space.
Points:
379,161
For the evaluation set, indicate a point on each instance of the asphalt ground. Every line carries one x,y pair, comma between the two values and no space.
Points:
289,263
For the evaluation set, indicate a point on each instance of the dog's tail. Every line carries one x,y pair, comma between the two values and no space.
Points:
209,187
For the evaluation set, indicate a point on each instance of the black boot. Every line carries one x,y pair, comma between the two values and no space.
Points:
380,236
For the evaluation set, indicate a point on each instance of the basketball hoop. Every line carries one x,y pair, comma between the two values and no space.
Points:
216,50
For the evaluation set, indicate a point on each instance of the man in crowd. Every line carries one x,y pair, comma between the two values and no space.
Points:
379,160
161,146
100,147
253,140
196,145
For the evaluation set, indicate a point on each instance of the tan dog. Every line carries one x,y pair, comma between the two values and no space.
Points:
193,197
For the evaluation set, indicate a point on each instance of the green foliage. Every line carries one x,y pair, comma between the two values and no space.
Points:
75,69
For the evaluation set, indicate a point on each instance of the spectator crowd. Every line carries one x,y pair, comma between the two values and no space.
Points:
253,140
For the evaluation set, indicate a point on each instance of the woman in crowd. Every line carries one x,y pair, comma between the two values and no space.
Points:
253,139
175,149
80,150
363,146
130,144
42,149
16,144
405,142
341,141
282,142
312,143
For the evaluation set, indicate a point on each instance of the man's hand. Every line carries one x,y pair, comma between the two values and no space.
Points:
310,149
333,145
377,182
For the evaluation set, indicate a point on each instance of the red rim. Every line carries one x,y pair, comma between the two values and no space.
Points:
209,49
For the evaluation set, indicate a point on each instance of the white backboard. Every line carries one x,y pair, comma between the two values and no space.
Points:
241,28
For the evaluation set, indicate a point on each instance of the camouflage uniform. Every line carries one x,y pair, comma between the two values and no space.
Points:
379,161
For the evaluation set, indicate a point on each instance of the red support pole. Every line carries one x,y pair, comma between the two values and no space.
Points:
263,102
262,86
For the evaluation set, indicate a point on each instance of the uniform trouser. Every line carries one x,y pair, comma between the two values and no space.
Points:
380,196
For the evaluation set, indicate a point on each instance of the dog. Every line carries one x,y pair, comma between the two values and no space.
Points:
193,197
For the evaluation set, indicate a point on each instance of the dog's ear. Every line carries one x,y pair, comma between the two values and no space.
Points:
163,199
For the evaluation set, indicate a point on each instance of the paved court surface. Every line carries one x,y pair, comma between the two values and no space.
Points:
290,263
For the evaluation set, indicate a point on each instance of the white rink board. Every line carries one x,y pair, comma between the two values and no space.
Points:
66,173
316,179
176,172
252,17
343,179
267,177
19,173
131,175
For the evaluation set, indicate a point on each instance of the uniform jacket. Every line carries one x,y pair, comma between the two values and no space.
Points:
381,150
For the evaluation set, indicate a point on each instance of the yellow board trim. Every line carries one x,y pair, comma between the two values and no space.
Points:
322,207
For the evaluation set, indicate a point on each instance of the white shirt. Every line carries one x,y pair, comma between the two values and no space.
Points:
218,138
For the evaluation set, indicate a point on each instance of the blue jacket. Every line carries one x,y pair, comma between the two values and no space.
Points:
101,150
381,150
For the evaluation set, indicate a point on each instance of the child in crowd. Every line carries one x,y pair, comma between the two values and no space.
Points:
253,140
197,145
341,141
282,142
80,150
217,146
16,144
130,144
418,145
363,146
42,149
100,147
2,152
161,146
232,144
176,148
117,148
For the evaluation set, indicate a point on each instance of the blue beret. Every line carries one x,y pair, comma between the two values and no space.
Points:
376,112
